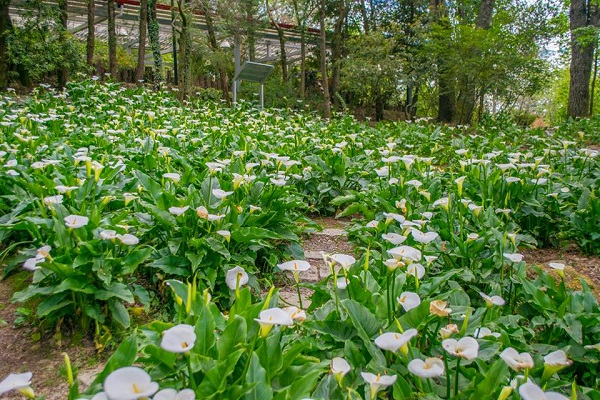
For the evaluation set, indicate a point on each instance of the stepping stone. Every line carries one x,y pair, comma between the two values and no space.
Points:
313,255
331,232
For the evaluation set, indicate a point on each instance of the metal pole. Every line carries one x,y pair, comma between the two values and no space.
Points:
237,54
175,74
262,96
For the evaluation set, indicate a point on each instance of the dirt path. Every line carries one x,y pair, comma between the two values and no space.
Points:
20,353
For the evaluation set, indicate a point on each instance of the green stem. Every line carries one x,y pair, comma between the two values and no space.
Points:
191,372
456,377
299,295
447,369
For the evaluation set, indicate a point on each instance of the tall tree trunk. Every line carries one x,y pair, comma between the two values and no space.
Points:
63,72
281,36
581,14
324,83
446,93
140,68
112,41
212,42
153,30
91,34
336,52
5,25
470,83
185,41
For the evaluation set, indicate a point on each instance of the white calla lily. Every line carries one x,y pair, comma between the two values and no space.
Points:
430,368
129,383
466,347
178,339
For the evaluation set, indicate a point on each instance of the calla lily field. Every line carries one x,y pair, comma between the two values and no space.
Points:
121,202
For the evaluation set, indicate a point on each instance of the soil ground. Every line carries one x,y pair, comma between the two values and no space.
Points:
20,353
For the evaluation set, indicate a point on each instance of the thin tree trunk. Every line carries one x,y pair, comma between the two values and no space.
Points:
153,30
112,41
185,39
140,68
212,41
91,34
325,84
336,53
62,73
594,76
5,25
446,93
281,36
581,15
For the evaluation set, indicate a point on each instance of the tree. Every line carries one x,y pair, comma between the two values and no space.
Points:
112,40
153,34
584,18
372,72
323,56
303,12
214,45
5,25
185,44
91,35
63,72
139,70
281,36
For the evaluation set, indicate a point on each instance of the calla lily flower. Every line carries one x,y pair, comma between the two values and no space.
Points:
466,347
50,200
513,257
430,368
393,341
108,234
236,277
483,332
220,193
129,383
405,253
175,177
416,270
554,362
439,308
448,330
492,300
178,210
531,391
339,368
409,300
444,203
128,239
295,313
296,266
76,221
376,382
343,260
424,238
394,238
178,339
270,317
515,360
225,233
172,394
19,382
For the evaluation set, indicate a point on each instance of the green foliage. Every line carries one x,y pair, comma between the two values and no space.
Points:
39,45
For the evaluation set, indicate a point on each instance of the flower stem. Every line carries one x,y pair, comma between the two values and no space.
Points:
299,295
447,376
456,377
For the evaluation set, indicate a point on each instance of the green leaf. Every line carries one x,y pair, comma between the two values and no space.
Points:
53,303
257,377
134,259
118,312
115,289
233,335
218,247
